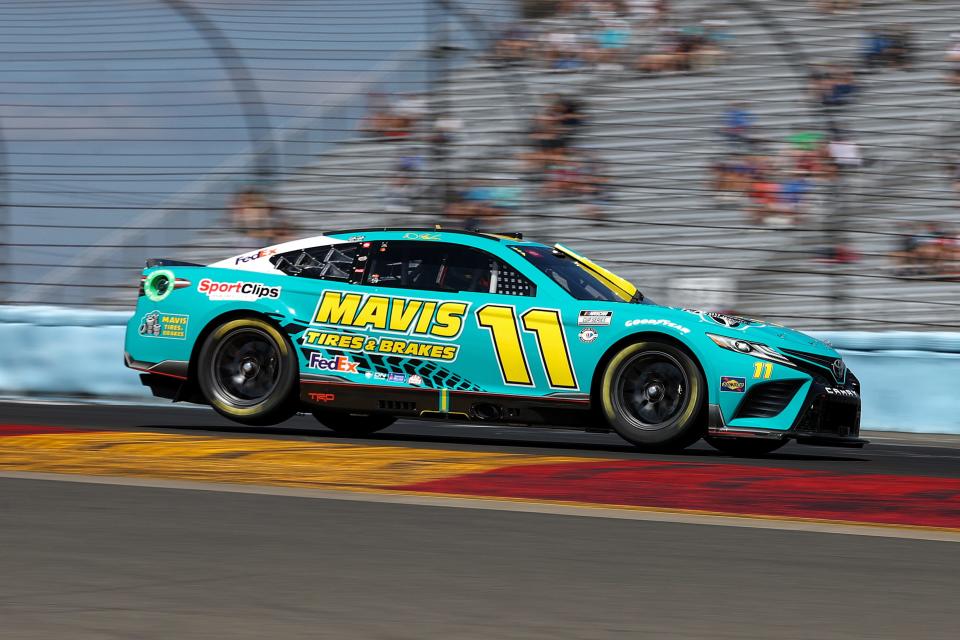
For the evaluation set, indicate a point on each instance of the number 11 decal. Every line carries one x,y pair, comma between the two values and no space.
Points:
546,327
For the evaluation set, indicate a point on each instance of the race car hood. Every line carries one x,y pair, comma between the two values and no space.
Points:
693,320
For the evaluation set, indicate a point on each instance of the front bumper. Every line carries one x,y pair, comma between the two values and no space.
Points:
830,416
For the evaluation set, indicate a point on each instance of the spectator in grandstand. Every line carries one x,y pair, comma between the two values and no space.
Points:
486,201
929,250
685,49
569,116
738,123
553,132
953,59
562,177
412,107
833,85
908,254
406,185
954,171
563,49
793,195
724,180
385,120
459,212
446,131
661,12
593,187
837,254
889,47
611,41
832,6
939,249
844,152
515,45
764,198
252,214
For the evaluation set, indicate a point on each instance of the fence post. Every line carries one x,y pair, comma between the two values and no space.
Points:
6,224
244,86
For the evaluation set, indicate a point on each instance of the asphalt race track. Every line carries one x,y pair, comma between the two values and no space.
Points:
163,522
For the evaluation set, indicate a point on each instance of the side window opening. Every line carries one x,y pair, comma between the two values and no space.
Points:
328,262
435,266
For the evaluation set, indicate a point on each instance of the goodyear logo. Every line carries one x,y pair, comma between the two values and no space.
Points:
429,318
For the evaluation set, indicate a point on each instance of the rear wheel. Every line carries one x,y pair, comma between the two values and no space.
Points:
354,425
745,447
247,371
653,395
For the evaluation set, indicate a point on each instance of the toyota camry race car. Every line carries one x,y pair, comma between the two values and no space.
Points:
362,327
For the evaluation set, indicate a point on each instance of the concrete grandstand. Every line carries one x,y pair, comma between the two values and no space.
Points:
655,137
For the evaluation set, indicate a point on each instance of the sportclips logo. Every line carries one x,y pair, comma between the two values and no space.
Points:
246,291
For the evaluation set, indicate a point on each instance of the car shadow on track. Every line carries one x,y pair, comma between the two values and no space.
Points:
507,444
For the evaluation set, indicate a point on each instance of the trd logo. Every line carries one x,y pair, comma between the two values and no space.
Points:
340,363
322,397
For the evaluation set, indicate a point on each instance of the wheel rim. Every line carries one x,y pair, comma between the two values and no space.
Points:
246,367
652,389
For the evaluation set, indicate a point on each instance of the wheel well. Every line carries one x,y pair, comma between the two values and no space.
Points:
216,322
631,339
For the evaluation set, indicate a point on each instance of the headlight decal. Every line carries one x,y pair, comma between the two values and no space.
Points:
746,347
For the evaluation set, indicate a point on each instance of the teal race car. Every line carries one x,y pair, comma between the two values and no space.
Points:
361,327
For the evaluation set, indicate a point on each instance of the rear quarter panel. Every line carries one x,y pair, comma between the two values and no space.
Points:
186,312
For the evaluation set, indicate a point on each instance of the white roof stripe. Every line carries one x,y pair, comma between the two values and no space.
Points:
258,260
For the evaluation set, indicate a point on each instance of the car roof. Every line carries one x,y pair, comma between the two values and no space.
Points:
422,233
258,259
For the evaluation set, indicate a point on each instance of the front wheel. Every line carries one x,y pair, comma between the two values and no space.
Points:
745,447
353,425
248,372
653,396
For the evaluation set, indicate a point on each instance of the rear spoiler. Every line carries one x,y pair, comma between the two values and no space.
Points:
167,262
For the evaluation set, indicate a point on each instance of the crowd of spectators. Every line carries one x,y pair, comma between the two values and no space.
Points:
778,182
929,249
773,180
559,168
641,35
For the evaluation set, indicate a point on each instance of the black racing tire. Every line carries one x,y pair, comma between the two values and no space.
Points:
653,395
248,372
354,425
745,447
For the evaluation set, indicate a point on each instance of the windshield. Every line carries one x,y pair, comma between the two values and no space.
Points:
567,272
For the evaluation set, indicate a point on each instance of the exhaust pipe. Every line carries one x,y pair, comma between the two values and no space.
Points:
486,411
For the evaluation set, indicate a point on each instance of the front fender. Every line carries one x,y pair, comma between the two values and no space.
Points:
698,349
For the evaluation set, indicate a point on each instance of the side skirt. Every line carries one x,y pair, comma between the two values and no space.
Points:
568,410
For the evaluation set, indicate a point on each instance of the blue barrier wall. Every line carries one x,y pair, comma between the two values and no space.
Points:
64,352
911,380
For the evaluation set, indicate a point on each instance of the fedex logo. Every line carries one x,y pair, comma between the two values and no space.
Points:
340,363
263,253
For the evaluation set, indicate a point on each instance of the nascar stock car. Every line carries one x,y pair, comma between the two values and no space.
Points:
362,327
